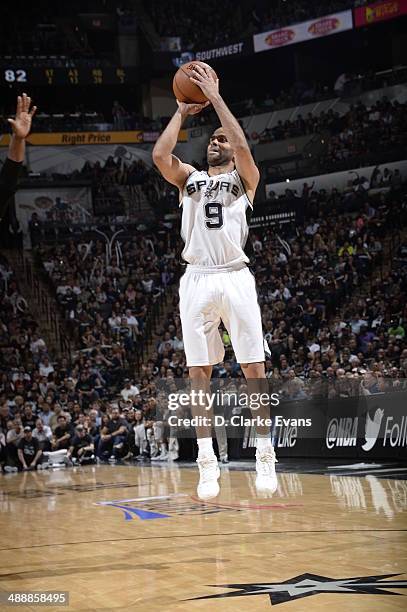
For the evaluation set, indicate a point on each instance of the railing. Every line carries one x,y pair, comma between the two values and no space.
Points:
45,306
154,316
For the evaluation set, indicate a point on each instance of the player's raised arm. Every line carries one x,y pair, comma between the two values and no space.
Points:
244,162
173,169
21,126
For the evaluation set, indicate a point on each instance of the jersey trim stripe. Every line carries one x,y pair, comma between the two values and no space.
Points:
243,189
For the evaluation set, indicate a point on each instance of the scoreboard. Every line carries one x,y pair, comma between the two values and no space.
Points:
108,75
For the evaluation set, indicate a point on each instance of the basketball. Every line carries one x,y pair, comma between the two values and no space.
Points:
184,89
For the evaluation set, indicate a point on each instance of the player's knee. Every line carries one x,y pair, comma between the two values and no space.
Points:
200,372
253,370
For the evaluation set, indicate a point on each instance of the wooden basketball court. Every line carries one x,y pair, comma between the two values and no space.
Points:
136,538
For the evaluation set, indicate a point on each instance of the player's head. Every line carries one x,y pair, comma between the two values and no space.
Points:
219,151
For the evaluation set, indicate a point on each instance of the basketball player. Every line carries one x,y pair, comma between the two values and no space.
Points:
217,284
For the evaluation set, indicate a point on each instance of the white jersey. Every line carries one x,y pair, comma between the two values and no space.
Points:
215,215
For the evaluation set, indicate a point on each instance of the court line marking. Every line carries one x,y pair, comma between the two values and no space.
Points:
373,472
356,466
209,535
232,506
137,499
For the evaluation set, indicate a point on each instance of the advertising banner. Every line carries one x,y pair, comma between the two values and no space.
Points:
91,138
363,428
223,52
300,32
355,415
379,11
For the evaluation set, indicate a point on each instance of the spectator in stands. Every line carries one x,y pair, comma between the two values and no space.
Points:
113,435
130,390
62,434
43,434
81,449
14,435
28,417
29,452
139,446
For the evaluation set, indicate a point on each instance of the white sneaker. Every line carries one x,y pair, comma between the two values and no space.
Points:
160,457
173,449
266,480
9,469
209,473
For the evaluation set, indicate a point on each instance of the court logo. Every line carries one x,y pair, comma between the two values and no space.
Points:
372,429
180,504
306,585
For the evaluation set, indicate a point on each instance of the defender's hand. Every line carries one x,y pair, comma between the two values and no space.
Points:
191,109
203,77
21,125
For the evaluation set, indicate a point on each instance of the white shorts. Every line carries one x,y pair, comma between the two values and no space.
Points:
208,296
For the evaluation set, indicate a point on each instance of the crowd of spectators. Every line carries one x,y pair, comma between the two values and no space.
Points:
348,140
42,29
143,183
119,186
213,23
57,31
300,126
114,170
359,131
351,134
82,119
300,93
54,30
333,308
319,326
218,24
123,119
107,297
82,406
278,14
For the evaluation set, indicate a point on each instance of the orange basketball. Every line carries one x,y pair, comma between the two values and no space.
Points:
184,89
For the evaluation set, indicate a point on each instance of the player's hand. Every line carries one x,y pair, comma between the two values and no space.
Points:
191,109
203,77
21,125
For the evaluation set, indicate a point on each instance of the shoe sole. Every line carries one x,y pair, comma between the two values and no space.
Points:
207,497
